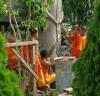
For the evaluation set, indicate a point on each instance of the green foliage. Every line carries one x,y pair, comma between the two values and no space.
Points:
78,11
34,12
8,80
31,12
3,57
87,67
50,3
3,7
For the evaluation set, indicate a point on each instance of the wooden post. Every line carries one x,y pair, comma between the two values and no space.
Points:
34,66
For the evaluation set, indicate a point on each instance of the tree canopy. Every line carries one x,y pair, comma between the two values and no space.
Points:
78,11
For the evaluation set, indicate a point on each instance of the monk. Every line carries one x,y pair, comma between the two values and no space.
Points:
82,39
75,41
46,66
78,41
38,68
12,58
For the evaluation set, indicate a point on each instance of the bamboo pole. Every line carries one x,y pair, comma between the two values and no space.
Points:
14,33
17,27
10,21
16,44
25,64
34,79
12,25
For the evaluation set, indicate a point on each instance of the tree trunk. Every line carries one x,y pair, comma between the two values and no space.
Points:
52,36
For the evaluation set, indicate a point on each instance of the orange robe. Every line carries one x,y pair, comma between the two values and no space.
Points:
41,82
42,73
49,78
82,43
12,58
38,69
26,51
75,43
13,61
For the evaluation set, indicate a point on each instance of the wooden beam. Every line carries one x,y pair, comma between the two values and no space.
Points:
25,64
15,44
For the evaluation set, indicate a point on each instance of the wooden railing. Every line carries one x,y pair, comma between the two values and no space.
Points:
25,79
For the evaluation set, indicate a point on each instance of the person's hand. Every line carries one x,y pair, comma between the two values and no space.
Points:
65,32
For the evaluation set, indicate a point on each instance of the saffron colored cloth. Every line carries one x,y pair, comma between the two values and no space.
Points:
28,51
49,77
12,58
41,82
44,77
75,38
82,43
42,73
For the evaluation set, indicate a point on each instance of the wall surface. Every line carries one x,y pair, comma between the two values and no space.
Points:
64,75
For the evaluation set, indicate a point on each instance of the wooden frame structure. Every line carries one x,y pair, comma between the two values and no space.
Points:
25,64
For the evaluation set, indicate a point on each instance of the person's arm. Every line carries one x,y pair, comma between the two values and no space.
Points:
72,37
46,62
66,34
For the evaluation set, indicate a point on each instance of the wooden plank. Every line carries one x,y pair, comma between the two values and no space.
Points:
15,44
62,59
65,58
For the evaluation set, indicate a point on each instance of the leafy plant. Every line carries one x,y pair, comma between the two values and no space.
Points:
87,67
3,7
33,12
8,80
78,11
